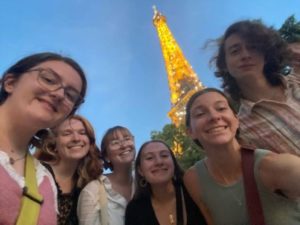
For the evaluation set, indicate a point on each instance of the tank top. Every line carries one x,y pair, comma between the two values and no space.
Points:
227,202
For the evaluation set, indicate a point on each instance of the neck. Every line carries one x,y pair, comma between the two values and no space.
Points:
163,193
122,175
224,162
14,134
65,169
263,90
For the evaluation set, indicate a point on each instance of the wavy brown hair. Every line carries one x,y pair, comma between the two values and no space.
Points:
266,40
89,167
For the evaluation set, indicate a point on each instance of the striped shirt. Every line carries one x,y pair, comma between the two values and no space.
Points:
273,125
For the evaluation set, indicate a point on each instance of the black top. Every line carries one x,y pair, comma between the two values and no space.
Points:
141,212
67,203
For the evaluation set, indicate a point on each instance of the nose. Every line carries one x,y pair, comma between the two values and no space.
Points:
158,160
246,53
75,136
214,115
58,94
122,143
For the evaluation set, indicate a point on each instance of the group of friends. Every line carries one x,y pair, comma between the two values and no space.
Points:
63,181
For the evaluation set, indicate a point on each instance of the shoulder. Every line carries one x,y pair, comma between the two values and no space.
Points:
191,183
138,211
190,174
92,187
43,174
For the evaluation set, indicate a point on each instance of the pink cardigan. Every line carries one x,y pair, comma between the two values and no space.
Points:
10,200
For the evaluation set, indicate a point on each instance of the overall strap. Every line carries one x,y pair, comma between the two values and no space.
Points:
252,197
31,200
103,203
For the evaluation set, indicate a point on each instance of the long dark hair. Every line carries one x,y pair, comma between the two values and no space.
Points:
145,191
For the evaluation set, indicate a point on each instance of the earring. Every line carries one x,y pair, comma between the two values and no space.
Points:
142,182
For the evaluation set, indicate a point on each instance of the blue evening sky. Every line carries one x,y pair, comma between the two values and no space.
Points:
118,47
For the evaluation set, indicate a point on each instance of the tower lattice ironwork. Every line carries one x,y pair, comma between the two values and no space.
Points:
183,81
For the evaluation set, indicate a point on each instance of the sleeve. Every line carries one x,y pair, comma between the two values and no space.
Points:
88,209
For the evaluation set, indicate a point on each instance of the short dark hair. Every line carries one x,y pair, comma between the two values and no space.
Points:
142,192
266,40
25,64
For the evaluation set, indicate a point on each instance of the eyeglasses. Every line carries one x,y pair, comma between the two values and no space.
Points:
50,80
119,142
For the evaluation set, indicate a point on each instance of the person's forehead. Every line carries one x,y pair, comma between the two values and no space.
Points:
154,147
234,39
71,124
208,98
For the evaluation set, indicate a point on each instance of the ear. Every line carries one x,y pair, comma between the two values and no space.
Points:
9,83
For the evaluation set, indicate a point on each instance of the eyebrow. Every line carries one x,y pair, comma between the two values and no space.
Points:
201,106
235,45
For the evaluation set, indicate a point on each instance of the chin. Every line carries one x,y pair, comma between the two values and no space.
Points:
221,141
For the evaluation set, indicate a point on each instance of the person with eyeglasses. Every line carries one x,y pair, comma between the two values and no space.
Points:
103,201
70,153
36,93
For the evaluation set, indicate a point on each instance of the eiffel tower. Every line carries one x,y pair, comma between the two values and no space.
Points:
183,81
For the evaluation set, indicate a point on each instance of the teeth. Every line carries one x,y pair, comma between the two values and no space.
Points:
77,146
125,153
216,129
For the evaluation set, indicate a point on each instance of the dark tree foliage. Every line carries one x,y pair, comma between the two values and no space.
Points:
176,138
290,30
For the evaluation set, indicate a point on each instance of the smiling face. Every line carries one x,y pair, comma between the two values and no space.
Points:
212,121
156,164
72,141
43,108
242,60
120,149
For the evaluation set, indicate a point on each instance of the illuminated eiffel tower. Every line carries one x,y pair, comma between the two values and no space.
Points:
183,81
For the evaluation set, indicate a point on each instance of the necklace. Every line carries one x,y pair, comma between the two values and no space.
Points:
165,212
227,183
12,161
171,218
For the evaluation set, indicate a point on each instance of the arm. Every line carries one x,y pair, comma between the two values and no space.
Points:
190,181
88,209
281,172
